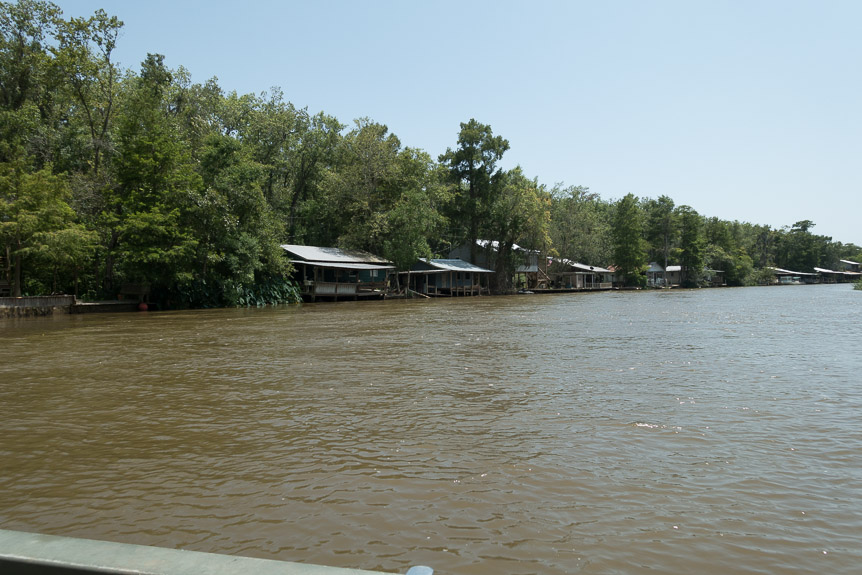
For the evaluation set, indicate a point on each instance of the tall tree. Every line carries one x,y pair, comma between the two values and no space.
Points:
237,232
415,220
763,247
272,131
156,179
800,250
317,140
365,185
65,251
383,198
33,209
474,177
36,219
724,251
26,95
84,61
520,213
629,245
661,228
580,225
691,245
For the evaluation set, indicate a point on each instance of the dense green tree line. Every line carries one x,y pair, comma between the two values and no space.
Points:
111,176
632,231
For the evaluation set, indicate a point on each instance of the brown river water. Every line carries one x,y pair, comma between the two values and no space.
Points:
708,431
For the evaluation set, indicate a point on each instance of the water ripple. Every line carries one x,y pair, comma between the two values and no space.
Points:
709,431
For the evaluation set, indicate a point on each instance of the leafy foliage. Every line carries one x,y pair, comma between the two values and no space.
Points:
111,176
520,214
36,220
581,225
629,252
691,246
474,179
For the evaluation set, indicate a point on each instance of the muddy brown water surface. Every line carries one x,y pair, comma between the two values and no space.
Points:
708,431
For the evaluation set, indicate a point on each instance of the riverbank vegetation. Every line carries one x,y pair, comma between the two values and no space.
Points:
112,176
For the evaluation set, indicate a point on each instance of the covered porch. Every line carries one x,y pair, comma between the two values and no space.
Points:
446,277
568,275
337,274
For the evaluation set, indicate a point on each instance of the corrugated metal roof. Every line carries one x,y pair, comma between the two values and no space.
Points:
333,255
585,267
495,245
780,271
844,273
345,265
596,269
454,265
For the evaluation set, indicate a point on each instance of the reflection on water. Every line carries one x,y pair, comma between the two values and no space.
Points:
684,432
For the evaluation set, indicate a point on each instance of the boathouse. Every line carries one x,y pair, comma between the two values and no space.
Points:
672,276
828,276
567,274
446,277
851,266
335,273
714,278
789,277
656,275
660,276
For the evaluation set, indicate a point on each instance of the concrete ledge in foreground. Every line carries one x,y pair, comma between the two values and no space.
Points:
31,553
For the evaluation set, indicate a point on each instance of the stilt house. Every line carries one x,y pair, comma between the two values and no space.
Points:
529,273
334,273
566,274
446,277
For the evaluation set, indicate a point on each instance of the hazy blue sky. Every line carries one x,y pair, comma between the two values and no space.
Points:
746,110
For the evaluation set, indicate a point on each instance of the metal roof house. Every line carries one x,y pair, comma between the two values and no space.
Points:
714,278
672,276
529,274
334,273
656,276
852,266
447,277
569,275
828,276
790,277
659,276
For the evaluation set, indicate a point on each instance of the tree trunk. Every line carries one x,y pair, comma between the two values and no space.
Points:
16,276
502,279
109,263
